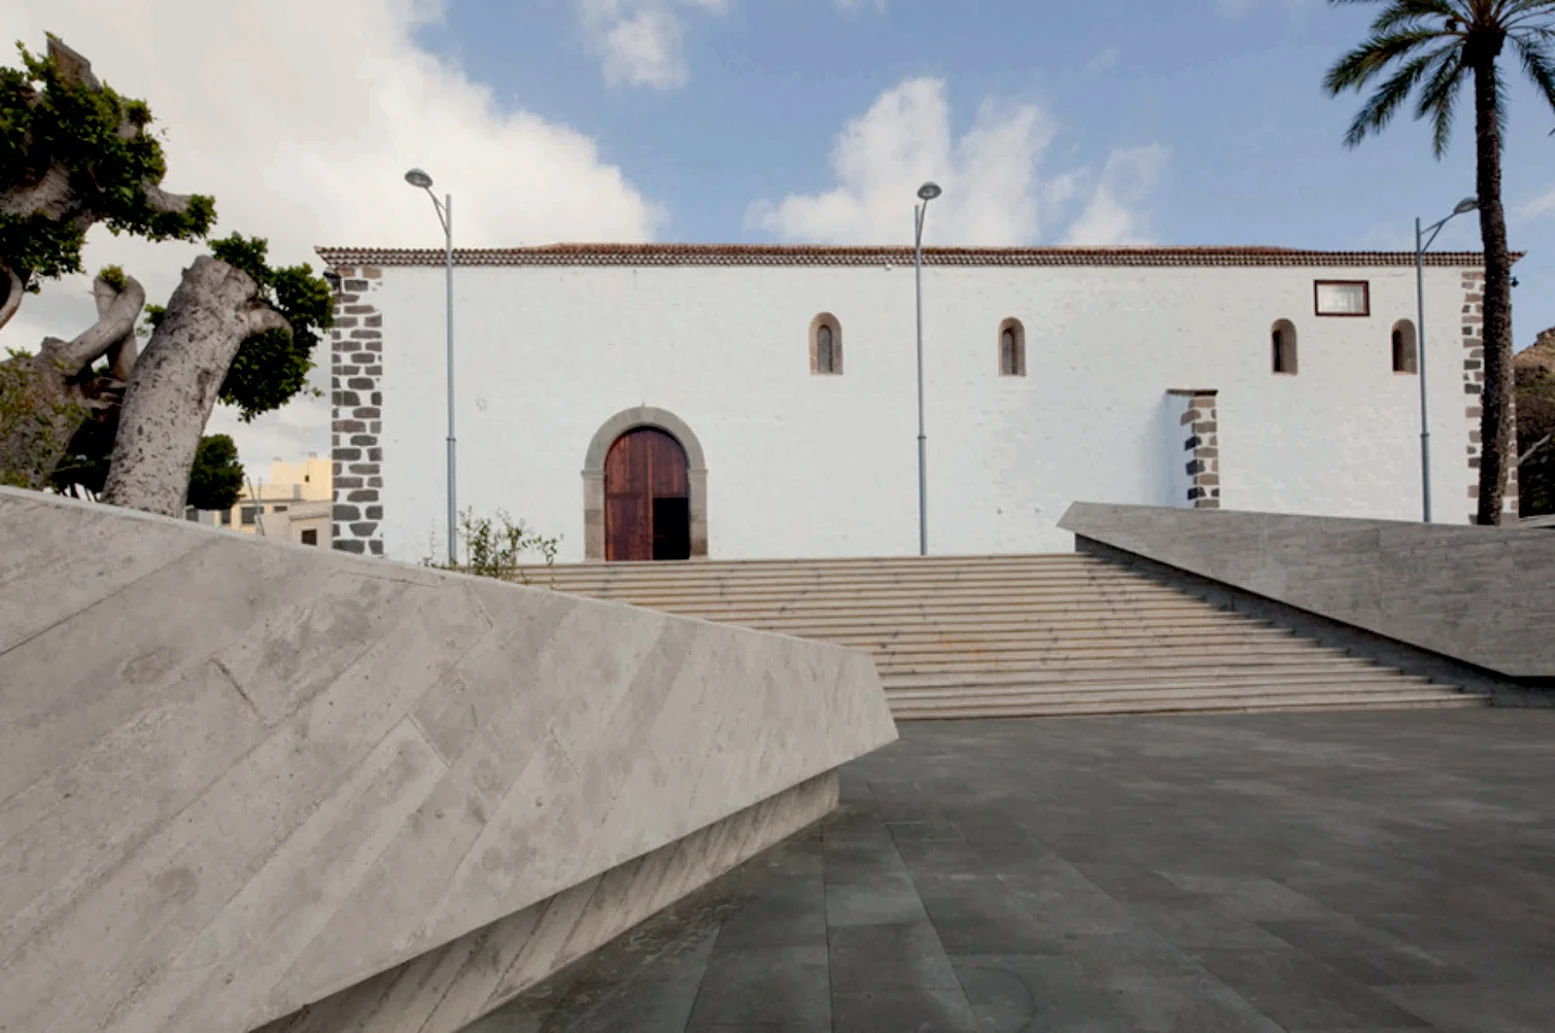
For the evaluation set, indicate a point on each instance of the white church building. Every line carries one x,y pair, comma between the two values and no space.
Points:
749,401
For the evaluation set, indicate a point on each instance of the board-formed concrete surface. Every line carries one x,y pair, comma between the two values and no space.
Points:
1273,873
239,777
1481,595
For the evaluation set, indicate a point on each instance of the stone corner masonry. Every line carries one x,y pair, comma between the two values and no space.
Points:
356,399
1201,445
1474,386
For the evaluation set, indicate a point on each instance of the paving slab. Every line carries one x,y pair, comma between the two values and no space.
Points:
1367,873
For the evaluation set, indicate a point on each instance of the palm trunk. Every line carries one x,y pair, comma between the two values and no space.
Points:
1497,418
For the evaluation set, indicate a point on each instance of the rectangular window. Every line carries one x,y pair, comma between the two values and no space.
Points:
310,537
226,518
249,513
278,509
1342,297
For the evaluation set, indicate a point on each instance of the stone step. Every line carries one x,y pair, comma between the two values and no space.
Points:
1052,644
845,563
1176,703
1074,659
773,583
1208,686
1079,606
846,596
1055,620
993,683
1018,636
929,635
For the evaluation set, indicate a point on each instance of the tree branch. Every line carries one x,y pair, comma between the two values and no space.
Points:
121,353
73,68
115,320
1535,447
162,201
263,318
13,298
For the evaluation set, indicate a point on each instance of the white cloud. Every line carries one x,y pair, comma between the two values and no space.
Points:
640,42
1105,60
1536,208
303,136
1112,216
855,6
993,192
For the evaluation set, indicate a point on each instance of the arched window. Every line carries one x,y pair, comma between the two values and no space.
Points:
1282,341
1406,348
1012,349
825,345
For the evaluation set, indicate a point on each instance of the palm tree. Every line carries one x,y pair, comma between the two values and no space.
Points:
1430,47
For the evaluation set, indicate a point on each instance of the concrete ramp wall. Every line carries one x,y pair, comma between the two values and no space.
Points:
246,784
1482,596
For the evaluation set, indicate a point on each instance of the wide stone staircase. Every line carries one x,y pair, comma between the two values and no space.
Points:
1018,636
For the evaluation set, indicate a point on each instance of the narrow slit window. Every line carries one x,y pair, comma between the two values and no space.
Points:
825,345
1012,349
1405,348
1282,347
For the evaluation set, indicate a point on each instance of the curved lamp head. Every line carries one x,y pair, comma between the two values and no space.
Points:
929,191
1468,204
418,178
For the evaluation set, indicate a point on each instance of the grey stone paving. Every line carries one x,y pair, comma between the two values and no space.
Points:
1364,873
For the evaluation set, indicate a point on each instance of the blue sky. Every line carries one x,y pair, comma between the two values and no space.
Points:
1230,91
1047,122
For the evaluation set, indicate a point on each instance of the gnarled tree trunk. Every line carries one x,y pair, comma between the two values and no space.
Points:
57,389
11,283
175,383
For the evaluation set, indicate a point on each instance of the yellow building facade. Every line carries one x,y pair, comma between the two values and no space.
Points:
292,504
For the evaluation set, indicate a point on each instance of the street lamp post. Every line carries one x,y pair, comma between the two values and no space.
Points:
1468,204
926,193
445,215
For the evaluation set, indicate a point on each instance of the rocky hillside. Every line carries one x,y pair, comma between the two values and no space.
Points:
1535,371
1540,358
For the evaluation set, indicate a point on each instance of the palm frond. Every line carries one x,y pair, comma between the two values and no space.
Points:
1439,94
1402,13
1368,60
1380,108
1538,63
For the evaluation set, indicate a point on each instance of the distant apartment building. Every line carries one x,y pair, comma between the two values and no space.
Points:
292,505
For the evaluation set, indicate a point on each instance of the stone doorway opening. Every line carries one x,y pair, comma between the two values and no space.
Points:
673,458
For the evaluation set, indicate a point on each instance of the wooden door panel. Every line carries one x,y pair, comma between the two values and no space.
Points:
667,467
642,466
628,528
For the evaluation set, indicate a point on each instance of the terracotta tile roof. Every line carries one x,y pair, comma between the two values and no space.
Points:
826,255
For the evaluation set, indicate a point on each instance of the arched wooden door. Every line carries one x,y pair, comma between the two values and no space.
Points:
647,498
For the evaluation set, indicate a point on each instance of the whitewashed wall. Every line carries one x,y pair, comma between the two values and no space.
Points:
803,465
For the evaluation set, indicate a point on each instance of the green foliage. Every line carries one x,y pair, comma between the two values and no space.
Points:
29,424
85,462
272,367
152,316
216,479
495,547
113,276
46,123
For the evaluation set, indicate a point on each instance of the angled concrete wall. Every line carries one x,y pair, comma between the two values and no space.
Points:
239,778
1484,596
